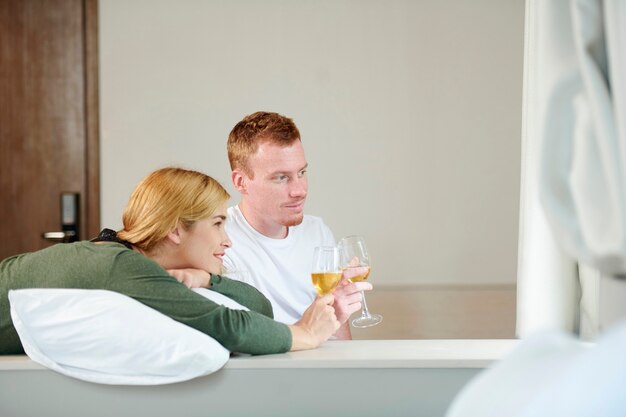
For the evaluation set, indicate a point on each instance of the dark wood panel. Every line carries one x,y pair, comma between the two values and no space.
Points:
48,109
92,113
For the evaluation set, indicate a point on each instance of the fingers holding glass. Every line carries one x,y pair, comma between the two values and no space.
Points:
355,261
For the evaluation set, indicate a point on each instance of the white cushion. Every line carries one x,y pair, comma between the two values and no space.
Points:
551,374
218,298
106,337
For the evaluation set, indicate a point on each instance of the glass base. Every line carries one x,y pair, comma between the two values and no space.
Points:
367,321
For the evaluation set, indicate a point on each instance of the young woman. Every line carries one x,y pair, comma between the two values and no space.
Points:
174,221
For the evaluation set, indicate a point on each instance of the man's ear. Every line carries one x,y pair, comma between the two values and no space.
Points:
174,235
240,180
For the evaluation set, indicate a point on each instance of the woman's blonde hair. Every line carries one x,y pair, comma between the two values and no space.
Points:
166,198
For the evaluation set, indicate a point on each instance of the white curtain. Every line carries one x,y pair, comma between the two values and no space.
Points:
573,210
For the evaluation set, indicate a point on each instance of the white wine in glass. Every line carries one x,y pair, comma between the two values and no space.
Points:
354,254
326,270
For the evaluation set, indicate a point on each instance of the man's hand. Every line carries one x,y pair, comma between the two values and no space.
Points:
348,294
192,278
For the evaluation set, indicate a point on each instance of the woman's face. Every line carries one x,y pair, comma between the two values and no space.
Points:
203,245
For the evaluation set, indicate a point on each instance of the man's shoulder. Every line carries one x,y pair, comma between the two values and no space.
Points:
232,210
234,216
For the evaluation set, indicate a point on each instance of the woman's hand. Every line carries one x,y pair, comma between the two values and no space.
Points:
192,278
317,324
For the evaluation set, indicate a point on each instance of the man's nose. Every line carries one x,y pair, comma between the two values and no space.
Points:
299,187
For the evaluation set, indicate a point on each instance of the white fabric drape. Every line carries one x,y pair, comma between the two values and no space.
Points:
583,166
574,159
546,283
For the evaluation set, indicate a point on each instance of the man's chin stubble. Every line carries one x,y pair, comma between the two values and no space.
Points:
294,222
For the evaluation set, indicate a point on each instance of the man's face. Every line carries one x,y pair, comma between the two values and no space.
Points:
279,185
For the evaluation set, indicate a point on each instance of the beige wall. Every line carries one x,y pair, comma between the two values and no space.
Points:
410,113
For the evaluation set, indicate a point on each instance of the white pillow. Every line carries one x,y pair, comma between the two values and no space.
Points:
218,298
106,337
551,374
593,385
506,387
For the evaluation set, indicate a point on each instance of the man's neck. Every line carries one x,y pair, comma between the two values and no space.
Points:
262,224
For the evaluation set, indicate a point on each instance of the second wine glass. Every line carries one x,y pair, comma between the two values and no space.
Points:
354,254
326,269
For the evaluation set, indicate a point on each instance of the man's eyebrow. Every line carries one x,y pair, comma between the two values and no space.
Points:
220,216
278,172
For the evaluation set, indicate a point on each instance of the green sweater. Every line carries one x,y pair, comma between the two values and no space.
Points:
111,266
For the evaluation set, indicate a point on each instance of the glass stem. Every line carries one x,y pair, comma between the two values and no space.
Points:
364,311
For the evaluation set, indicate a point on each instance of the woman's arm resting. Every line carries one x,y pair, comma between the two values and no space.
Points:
192,278
241,292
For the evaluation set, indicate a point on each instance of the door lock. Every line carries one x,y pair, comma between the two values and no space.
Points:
69,220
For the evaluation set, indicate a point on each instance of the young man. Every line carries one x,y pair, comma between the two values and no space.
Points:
272,237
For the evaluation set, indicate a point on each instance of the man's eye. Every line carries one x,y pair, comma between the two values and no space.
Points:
282,178
219,224
302,173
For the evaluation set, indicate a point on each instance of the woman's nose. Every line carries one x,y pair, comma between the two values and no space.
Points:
226,241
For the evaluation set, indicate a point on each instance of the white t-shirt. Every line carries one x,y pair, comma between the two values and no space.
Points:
279,268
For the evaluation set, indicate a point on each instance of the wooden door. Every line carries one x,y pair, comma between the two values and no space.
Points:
48,119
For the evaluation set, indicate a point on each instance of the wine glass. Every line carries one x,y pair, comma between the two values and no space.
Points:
354,254
326,269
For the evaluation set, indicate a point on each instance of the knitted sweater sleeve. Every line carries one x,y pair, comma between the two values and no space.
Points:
243,293
251,332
